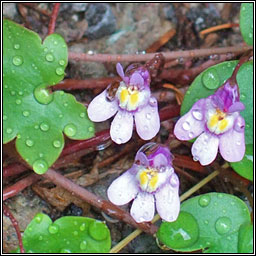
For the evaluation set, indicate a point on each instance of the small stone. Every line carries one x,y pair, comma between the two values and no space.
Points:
101,20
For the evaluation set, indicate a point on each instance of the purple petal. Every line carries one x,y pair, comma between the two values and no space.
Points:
143,207
100,109
191,124
232,145
205,148
162,156
124,188
142,158
168,202
137,79
121,127
237,106
120,70
147,122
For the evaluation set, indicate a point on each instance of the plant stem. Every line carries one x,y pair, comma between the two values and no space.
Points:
149,56
96,201
217,28
19,186
54,16
15,224
14,169
137,232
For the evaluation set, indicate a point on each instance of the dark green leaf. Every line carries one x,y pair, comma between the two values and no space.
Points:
245,166
31,112
66,235
209,80
245,238
246,22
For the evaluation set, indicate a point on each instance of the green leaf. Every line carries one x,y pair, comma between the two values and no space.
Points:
245,238
208,82
66,235
246,22
245,166
31,112
181,233
218,217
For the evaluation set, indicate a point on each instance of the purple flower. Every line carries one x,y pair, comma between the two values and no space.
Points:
218,122
151,179
130,98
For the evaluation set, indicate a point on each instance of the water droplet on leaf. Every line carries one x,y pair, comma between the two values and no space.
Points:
211,79
9,130
53,229
44,127
65,251
4,117
82,115
43,95
148,116
82,227
98,231
29,143
40,166
49,57
26,113
83,245
223,225
56,143
18,101
59,71
17,60
38,218
70,130
62,62
16,46
204,200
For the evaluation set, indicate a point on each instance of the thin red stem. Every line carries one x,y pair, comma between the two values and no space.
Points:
14,169
15,224
54,16
19,186
149,56
96,201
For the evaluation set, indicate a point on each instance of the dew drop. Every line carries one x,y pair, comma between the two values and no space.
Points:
119,141
82,115
250,35
53,229
206,222
13,93
20,93
60,115
204,200
49,57
40,238
82,227
75,233
25,113
223,225
18,101
41,154
36,126
65,104
220,195
242,96
174,180
5,86
152,102
43,95
195,158
9,130
59,71
83,245
38,218
62,62
65,251
186,126
148,116
211,79
17,60
70,130
40,166
16,46
56,143
44,127
55,42
191,135
197,114
90,129
98,231
29,143
4,117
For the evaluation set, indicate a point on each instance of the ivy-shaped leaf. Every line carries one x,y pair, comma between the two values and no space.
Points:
210,222
246,22
31,112
245,238
208,82
245,166
66,235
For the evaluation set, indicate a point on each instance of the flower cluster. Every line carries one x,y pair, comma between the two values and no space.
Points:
130,99
217,122
151,180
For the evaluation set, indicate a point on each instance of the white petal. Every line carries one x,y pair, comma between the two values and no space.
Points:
100,109
143,207
124,188
121,127
205,148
